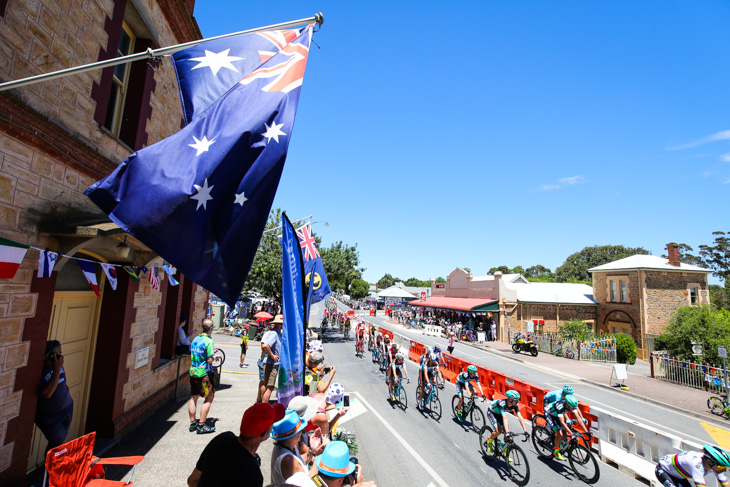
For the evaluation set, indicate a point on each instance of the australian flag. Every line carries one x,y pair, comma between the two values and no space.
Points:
207,71
313,268
201,197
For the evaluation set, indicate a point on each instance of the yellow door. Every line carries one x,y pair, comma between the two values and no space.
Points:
73,324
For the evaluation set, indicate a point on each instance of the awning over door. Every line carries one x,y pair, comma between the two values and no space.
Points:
458,304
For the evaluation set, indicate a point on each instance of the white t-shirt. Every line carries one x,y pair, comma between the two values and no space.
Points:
301,479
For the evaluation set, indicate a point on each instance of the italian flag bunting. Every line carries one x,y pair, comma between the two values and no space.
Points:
11,255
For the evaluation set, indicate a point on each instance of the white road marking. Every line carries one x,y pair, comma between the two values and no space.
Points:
431,485
405,444
457,446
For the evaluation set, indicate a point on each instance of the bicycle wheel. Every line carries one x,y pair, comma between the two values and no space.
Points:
434,407
418,395
219,356
543,442
477,418
584,464
402,397
716,406
518,468
454,405
484,435
538,420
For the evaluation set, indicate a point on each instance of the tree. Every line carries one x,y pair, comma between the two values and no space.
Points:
536,270
704,324
440,280
718,297
717,257
503,269
575,329
359,288
341,263
625,349
575,268
413,282
548,277
385,282
265,274
685,257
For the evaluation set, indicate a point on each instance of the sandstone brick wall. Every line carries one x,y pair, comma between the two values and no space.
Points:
607,310
549,313
667,291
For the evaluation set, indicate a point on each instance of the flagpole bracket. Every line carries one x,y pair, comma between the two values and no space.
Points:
319,18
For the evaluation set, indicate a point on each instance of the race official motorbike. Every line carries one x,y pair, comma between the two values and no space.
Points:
521,345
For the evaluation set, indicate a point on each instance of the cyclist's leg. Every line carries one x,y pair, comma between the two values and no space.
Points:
496,422
664,478
460,393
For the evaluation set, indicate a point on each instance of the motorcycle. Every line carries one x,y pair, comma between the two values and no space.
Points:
522,345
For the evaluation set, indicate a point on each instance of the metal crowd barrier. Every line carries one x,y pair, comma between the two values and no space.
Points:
698,376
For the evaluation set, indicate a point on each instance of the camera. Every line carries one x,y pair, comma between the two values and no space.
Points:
326,369
352,478
346,400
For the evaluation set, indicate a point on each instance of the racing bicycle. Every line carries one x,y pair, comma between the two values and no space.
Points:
581,459
358,348
470,410
400,393
719,406
517,467
431,400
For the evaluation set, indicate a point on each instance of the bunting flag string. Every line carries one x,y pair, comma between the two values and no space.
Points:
47,260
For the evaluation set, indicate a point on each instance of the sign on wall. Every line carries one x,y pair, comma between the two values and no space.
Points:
142,358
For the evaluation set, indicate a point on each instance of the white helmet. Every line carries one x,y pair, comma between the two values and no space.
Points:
432,357
399,356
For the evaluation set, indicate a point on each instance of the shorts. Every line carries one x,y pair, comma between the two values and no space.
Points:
398,372
201,386
271,375
551,423
496,419
460,388
261,370
669,481
243,348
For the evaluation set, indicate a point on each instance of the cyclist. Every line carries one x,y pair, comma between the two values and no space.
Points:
496,416
359,337
690,467
378,345
439,362
398,363
556,421
426,373
392,349
463,381
346,329
558,395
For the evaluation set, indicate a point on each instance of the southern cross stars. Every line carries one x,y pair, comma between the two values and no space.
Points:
216,61
201,145
241,198
273,132
203,195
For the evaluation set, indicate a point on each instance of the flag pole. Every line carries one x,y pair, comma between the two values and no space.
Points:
150,54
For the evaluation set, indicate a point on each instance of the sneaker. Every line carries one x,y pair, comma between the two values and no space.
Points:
193,426
205,429
559,456
240,365
245,366
490,445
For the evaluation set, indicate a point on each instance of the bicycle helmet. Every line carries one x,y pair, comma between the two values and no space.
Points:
567,390
571,401
716,455
436,349
472,369
432,357
394,345
399,356
512,394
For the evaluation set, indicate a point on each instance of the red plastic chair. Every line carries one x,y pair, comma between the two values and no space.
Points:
73,465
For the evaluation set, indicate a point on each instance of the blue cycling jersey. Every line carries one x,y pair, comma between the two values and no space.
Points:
552,396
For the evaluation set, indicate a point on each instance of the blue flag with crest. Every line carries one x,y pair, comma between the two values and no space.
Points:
313,267
201,197
291,360
205,72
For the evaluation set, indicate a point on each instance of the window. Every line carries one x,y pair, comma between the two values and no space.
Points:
120,82
693,293
618,289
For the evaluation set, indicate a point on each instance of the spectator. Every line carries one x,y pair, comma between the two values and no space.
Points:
328,403
55,405
286,458
183,340
231,460
334,468
494,331
201,358
244,346
312,439
450,348
271,345
316,371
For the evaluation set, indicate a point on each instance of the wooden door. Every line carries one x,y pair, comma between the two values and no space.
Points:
73,323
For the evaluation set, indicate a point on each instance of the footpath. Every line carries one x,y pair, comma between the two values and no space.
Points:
170,450
658,392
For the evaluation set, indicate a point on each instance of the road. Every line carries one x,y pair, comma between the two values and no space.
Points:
405,447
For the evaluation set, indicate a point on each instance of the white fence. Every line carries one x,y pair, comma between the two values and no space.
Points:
699,376
591,351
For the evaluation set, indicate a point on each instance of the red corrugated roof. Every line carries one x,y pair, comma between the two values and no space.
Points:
461,304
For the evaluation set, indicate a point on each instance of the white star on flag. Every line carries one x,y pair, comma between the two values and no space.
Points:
216,61
203,195
273,132
241,198
201,145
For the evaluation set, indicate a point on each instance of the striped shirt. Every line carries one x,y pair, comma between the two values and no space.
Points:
688,465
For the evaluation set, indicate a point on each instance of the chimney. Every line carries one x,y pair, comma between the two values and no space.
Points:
673,253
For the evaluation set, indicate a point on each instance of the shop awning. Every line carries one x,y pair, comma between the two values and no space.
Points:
458,304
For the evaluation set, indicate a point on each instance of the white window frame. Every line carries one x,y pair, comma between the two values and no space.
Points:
617,281
690,286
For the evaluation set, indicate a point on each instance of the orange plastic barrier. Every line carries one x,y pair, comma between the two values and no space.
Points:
372,312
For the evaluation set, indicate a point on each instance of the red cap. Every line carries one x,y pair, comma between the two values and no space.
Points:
279,412
257,420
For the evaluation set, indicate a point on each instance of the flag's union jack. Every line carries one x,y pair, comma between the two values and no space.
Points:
287,75
155,278
279,38
307,242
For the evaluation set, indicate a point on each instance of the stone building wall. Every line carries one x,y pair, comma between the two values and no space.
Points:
548,312
667,291
629,313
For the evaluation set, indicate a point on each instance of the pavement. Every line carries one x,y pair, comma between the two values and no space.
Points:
666,394
170,450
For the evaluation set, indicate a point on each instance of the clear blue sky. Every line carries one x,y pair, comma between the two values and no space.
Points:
476,134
